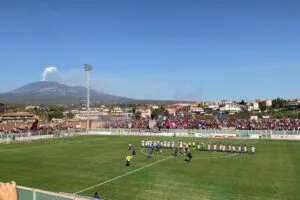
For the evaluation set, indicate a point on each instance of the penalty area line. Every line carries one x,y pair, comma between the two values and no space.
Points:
131,172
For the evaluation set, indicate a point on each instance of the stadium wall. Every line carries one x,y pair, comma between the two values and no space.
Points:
6,138
247,134
230,134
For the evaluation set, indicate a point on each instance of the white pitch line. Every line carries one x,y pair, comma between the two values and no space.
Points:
136,170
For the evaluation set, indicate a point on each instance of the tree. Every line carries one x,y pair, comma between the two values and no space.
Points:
242,102
243,115
138,115
70,115
161,111
262,106
133,110
55,112
279,103
200,105
2,107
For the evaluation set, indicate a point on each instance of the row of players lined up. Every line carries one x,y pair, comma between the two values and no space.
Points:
198,146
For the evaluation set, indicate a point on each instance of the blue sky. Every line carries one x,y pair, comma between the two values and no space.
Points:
156,49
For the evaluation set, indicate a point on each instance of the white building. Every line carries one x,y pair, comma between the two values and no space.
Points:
230,107
82,115
197,110
213,107
31,107
256,106
268,103
182,104
153,106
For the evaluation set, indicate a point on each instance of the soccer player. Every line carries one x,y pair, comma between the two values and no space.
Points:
165,144
157,146
143,143
189,154
215,147
129,147
208,147
194,145
96,196
233,148
175,150
180,144
128,158
220,147
147,144
224,148
229,148
151,149
168,144
245,149
252,149
161,147
133,150
173,144
198,146
240,148
183,148
203,147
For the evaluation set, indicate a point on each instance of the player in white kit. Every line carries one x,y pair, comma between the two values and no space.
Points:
224,147
215,147
252,149
245,149
198,146
240,148
233,148
165,144
208,147
220,147
143,143
180,144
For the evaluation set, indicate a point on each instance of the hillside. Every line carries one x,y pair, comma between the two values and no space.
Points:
54,92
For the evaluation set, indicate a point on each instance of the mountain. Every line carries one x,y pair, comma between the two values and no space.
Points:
48,92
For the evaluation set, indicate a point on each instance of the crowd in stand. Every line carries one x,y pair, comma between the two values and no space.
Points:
197,123
178,121
41,128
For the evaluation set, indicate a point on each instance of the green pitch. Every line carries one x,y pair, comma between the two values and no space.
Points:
74,164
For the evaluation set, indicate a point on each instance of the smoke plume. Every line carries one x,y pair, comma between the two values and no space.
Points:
47,71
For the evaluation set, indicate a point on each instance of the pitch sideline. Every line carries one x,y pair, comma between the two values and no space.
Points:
131,172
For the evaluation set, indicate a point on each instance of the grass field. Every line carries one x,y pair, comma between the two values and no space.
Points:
74,164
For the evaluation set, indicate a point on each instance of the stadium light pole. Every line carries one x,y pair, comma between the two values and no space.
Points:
87,69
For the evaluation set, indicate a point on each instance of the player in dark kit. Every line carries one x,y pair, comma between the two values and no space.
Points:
176,150
151,150
133,150
189,155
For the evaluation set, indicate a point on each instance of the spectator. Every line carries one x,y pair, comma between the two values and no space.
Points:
8,191
96,196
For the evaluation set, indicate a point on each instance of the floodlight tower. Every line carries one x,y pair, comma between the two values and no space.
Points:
87,69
